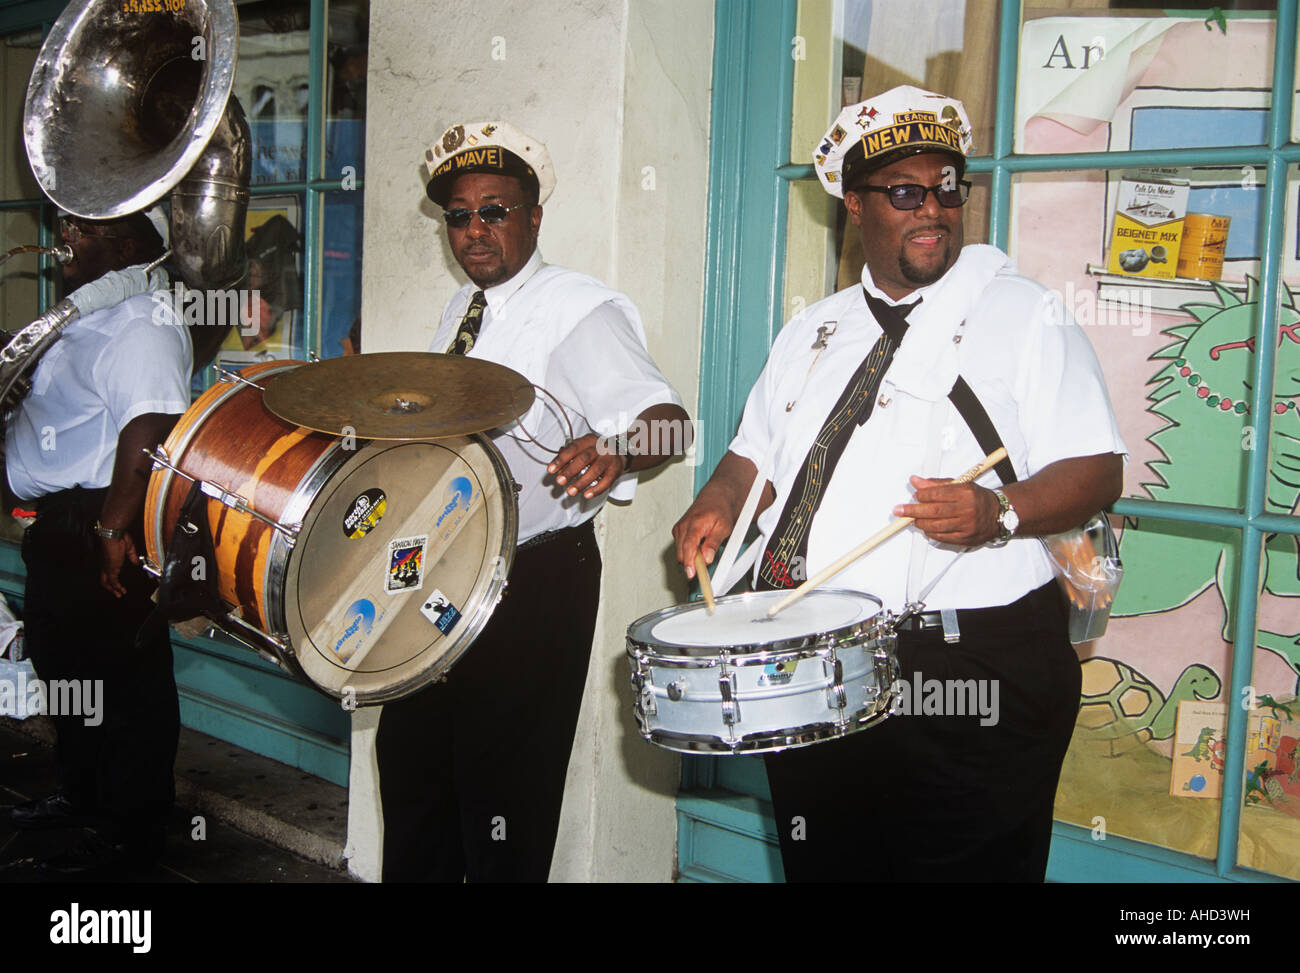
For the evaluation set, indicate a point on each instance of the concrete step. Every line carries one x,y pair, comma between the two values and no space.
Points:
260,797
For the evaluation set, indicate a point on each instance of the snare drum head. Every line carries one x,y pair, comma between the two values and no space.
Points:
400,560
741,623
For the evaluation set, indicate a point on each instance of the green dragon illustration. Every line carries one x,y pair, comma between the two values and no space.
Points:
1201,748
1256,792
1265,701
1203,391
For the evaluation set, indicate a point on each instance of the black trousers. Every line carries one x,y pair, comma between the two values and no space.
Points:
942,798
119,760
472,770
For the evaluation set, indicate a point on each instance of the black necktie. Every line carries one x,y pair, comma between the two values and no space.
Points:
788,544
467,331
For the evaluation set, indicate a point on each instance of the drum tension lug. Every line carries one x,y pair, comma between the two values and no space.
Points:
643,685
228,376
730,705
836,698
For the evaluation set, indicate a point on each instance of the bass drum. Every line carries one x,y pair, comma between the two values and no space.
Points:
376,565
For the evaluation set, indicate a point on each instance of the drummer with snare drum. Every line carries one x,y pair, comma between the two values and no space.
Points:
853,422
472,770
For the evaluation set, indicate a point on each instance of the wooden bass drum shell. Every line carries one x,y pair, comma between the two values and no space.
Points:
330,605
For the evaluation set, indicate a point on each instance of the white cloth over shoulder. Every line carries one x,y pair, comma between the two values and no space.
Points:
1025,358
109,367
582,342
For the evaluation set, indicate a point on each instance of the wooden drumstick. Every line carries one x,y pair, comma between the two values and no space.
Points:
706,585
989,461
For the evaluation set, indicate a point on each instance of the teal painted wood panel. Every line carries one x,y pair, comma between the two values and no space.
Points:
753,78
726,837
744,775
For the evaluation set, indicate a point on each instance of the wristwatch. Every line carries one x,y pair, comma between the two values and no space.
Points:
1008,519
108,533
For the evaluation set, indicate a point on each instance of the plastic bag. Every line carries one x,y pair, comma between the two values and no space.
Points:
1089,571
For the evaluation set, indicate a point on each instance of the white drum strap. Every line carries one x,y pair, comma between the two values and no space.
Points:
731,564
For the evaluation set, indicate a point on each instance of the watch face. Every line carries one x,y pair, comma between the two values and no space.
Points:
1011,520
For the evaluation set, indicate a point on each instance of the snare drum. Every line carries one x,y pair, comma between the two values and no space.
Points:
366,568
739,682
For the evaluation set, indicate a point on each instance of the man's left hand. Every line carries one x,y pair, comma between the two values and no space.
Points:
587,466
113,553
961,514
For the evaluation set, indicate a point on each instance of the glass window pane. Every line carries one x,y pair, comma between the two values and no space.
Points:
345,88
1270,822
17,56
271,325
270,81
341,302
854,49
1127,770
20,274
1105,80
1175,350
1269,837
1284,446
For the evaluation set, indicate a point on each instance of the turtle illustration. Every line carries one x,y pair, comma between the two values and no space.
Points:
1118,701
1202,390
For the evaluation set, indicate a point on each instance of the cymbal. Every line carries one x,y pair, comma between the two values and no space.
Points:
400,395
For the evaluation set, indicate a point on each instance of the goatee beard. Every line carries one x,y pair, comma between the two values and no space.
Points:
920,276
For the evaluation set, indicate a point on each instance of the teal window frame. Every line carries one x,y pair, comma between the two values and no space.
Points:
749,175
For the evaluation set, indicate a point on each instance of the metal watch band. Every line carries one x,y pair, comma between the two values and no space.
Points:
1004,508
109,533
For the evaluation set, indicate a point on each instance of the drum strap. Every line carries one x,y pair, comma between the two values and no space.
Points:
732,565
187,586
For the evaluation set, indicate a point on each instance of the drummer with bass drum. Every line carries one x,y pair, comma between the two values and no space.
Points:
851,414
472,769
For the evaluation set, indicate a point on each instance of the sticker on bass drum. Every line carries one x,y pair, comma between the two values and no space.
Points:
406,564
439,610
364,513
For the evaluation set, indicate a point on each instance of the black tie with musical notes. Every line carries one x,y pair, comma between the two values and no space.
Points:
788,544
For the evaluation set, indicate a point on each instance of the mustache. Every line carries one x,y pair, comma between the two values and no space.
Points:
937,230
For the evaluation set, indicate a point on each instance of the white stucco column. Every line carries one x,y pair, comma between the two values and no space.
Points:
619,92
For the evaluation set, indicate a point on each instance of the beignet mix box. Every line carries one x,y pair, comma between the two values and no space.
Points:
1148,229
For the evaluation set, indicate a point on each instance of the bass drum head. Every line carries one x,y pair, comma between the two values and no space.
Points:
400,560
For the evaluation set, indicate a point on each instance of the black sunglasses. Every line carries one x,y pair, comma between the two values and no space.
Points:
912,196
491,213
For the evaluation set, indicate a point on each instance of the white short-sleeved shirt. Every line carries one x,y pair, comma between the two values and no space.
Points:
107,368
593,361
1026,360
